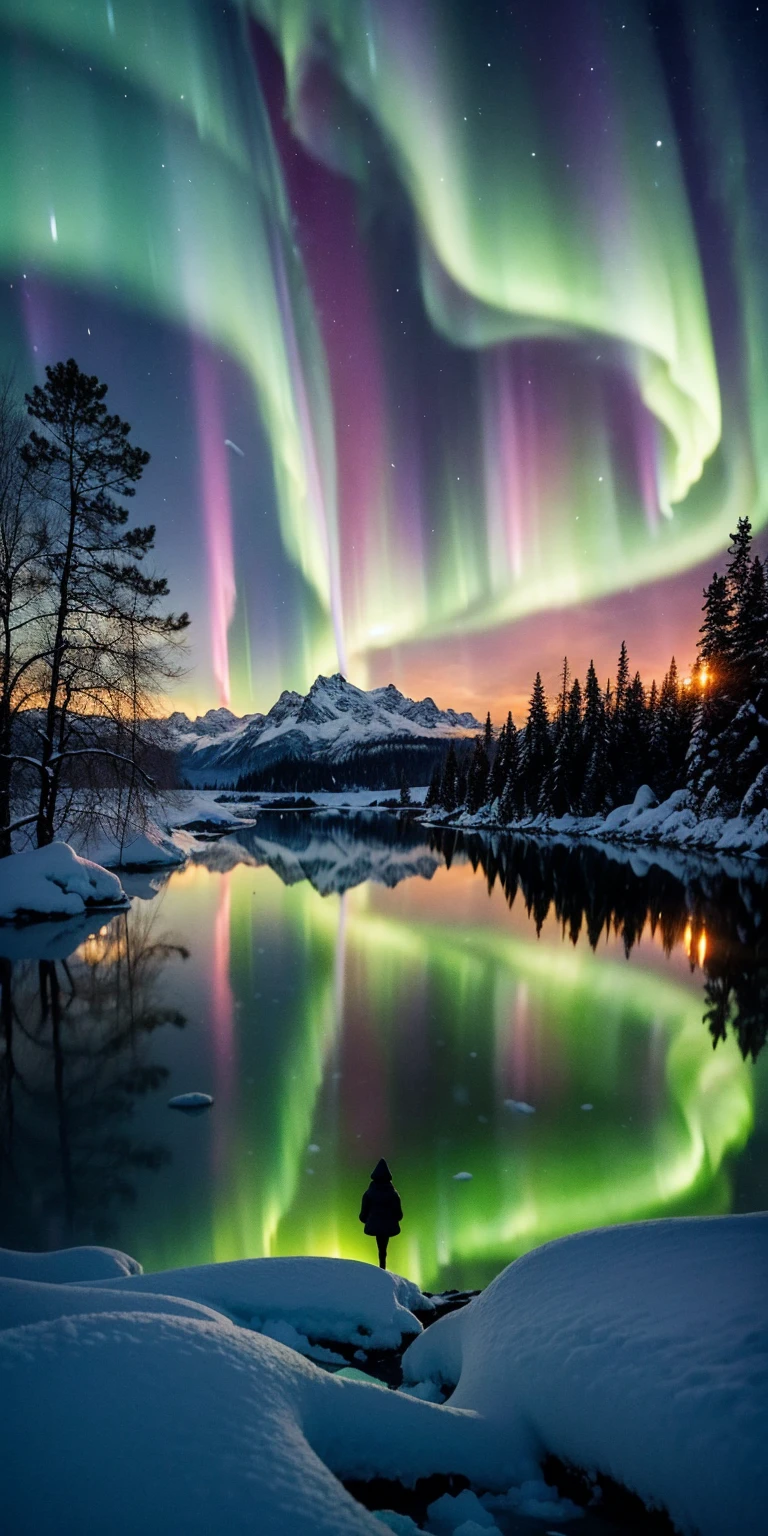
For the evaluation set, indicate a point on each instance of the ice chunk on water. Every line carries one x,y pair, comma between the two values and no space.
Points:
190,1101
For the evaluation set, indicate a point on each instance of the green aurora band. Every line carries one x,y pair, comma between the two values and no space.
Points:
542,175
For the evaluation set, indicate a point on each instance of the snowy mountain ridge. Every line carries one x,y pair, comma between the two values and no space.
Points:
333,722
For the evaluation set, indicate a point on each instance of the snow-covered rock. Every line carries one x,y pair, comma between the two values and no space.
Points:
640,1352
54,882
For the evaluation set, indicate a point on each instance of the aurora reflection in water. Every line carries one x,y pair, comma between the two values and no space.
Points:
393,1021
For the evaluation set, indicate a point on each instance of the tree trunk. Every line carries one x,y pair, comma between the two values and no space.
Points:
48,781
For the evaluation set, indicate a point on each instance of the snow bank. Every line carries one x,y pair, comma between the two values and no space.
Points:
32,1301
66,1265
149,848
54,882
674,822
335,1299
640,1352
167,1423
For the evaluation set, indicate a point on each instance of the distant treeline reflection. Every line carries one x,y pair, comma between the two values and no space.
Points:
715,915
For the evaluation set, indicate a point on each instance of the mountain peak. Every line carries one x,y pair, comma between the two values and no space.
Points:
335,722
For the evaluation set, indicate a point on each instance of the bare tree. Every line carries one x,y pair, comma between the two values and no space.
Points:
103,646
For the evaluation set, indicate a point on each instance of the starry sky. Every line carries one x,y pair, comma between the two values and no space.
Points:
445,322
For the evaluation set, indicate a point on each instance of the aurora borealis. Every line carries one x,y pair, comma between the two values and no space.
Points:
445,323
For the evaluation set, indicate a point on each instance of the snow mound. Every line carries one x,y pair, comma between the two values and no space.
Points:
165,1423
55,882
33,1301
335,1299
66,1266
640,1352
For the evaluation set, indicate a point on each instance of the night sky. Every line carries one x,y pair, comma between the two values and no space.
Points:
445,322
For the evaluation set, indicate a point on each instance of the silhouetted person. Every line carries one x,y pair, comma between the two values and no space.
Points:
381,1209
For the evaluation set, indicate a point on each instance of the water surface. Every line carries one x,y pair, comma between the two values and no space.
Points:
538,1016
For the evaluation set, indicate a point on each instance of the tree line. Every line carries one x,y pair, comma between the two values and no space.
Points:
594,748
86,639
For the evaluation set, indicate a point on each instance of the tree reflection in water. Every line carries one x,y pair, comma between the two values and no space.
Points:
75,1034
713,910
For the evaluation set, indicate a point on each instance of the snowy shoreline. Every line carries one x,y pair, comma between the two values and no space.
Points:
645,823
603,1351
64,880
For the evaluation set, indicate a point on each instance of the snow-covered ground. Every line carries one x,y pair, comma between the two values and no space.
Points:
55,882
673,823
640,1352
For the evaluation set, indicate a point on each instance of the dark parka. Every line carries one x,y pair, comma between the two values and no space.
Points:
381,1209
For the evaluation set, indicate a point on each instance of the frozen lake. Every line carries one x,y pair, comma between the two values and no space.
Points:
536,1015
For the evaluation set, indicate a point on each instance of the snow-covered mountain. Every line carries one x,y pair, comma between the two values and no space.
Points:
215,722
336,732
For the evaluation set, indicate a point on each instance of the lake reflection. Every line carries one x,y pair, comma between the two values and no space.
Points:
351,988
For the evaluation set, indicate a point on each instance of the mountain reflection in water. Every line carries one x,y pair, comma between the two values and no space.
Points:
396,990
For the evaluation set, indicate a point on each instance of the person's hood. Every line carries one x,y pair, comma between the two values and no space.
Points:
381,1173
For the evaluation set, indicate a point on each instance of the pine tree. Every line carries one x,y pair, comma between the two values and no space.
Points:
405,792
498,776
620,745
740,559
537,752
729,746
673,731
511,805
477,778
750,631
596,734
566,779
107,639
594,710
622,679
448,797
433,792
636,738
574,727
714,646
488,733
562,698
